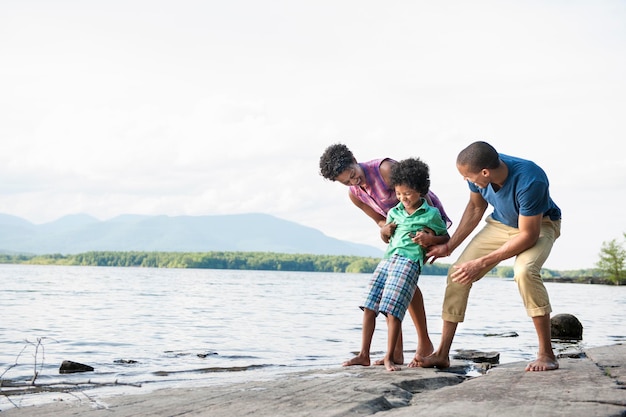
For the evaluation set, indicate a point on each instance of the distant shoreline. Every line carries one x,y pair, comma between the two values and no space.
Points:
580,280
265,261
568,280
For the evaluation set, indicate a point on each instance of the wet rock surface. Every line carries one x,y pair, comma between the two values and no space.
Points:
593,384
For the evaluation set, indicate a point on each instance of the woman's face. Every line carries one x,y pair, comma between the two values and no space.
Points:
353,175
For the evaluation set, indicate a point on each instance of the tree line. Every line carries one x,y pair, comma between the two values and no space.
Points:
215,260
610,267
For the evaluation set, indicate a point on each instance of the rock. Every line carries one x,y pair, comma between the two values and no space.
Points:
125,361
69,367
566,327
204,355
477,356
507,334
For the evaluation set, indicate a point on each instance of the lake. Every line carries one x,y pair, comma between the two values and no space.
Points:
146,328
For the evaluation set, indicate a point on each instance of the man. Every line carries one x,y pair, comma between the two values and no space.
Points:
524,224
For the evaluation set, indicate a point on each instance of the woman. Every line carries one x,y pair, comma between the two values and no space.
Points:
370,191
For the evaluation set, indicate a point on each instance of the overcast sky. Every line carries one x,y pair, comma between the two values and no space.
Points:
217,107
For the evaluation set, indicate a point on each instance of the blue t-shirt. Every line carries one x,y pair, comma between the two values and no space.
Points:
524,192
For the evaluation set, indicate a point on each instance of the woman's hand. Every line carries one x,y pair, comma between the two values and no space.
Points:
424,238
387,231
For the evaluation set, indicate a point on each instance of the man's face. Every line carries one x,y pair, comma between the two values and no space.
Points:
480,179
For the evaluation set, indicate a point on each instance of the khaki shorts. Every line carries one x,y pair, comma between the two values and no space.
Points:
527,268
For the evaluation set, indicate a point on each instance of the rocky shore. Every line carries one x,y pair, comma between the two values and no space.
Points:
591,383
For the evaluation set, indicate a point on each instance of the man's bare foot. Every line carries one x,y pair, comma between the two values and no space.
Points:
363,360
390,365
422,351
543,363
433,361
398,360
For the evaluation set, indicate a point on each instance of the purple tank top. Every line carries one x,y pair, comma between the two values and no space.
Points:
379,196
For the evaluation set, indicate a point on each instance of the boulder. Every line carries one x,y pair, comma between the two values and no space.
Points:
69,367
566,327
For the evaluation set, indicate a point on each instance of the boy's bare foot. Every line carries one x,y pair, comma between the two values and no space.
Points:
398,360
433,361
358,360
390,365
422,351
543,363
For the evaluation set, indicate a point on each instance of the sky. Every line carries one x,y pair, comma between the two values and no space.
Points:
223,107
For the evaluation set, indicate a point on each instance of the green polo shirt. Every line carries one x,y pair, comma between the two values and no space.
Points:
401,243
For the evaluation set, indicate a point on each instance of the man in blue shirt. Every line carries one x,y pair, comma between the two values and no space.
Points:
524,224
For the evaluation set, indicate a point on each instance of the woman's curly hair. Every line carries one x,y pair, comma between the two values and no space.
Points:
335,159
413,173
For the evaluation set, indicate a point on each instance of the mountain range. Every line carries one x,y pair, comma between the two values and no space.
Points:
253,232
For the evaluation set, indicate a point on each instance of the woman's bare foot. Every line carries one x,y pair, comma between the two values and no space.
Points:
422,351
390,365
433,361
543,363
363,360
398,360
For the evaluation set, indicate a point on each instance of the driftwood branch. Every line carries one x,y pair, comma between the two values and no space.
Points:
28,388
17,358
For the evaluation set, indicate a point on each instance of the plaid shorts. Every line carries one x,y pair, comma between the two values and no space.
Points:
392,286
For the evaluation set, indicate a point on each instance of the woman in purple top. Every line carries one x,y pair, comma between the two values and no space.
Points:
370,191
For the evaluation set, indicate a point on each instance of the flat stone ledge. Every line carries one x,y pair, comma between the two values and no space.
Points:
592,385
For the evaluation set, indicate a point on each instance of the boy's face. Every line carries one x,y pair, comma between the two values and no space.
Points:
410,199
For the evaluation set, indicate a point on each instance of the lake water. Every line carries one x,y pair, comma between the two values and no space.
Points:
156,328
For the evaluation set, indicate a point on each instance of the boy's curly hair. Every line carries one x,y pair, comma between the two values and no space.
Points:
413,173
335,159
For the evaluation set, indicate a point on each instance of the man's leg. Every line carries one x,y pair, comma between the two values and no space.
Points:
534,294
490,238
546,360
441,357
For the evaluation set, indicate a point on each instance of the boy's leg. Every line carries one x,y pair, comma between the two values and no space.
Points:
398,354
394,327
370,309
397,295
418,315
369,324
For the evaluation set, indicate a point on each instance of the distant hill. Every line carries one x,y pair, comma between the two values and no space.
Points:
238,232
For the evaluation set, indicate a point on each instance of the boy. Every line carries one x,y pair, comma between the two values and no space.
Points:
417,225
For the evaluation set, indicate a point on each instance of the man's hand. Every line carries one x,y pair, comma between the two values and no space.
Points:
467,273
435,252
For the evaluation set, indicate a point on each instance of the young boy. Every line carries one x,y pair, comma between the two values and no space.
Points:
417,225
